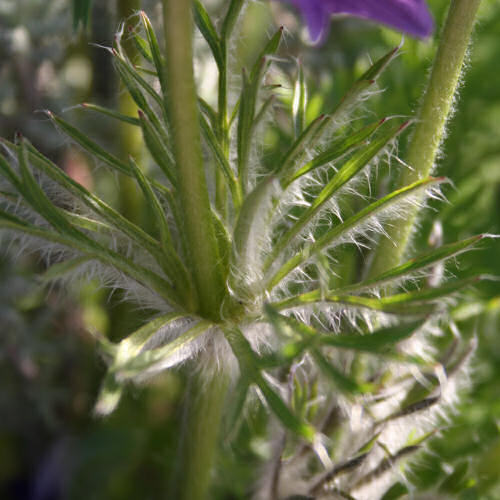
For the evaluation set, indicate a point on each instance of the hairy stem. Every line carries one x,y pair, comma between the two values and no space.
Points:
431,124
204,406
192,186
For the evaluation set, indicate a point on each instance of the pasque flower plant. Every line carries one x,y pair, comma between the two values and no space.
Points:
240,271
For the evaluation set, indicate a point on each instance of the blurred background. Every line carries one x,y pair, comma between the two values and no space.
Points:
51,446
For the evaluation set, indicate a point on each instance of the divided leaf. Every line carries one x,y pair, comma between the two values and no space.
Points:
418,303
358,161
354,222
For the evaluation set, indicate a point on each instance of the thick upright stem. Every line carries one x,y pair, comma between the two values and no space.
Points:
430,128
205,400
192,186
204,404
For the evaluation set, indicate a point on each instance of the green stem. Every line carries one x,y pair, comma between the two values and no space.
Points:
431,124
192,186
205,401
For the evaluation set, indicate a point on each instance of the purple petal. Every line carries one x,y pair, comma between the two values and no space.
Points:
408,16
316,17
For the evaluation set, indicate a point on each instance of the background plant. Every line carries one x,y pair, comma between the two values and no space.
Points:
284,135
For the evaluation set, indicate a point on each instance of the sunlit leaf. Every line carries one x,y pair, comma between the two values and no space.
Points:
359,160
419,303
151,361
353,222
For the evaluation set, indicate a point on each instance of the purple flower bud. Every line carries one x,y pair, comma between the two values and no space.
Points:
409,16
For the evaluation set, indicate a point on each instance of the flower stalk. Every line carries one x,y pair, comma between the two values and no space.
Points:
192,185
431,124
203,408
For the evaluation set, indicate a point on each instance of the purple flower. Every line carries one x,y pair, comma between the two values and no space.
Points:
409,16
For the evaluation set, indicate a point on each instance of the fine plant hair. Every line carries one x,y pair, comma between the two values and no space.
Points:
351,372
